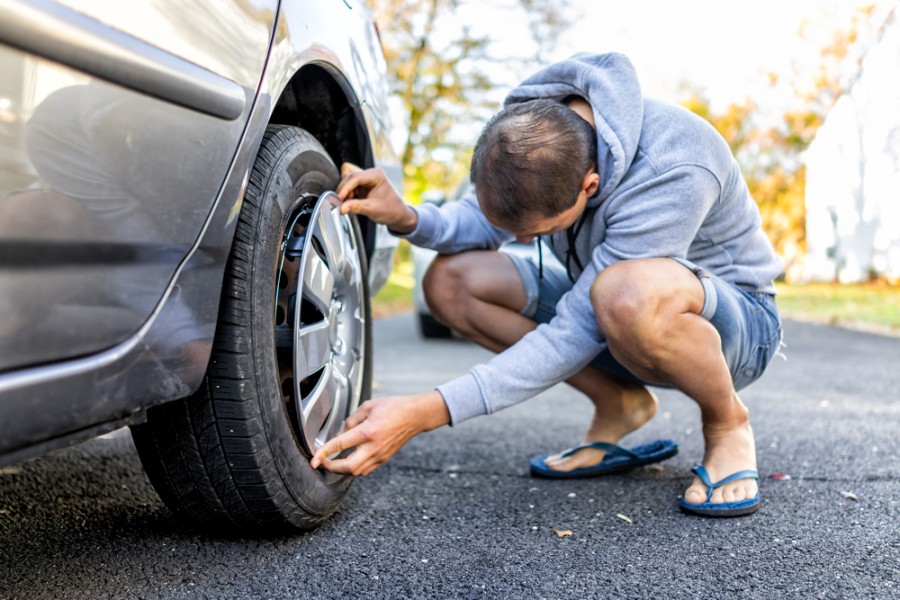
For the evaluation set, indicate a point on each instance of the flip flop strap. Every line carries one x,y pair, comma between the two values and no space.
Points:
611,450
703,474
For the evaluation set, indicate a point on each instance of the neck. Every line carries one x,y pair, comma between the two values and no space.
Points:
583,109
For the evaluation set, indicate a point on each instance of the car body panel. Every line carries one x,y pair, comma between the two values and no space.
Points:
104,189
165,358
232,42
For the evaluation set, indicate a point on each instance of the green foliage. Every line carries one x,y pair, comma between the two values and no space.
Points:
770,156
445,74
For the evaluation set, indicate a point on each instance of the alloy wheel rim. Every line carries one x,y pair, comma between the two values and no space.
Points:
319,319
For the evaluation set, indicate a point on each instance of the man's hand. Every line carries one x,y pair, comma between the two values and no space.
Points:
379,428
370,193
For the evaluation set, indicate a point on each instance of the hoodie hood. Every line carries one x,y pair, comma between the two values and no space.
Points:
609,83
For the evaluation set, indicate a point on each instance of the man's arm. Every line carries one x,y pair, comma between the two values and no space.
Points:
452,228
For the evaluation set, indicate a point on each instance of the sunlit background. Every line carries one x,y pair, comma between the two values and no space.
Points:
804,91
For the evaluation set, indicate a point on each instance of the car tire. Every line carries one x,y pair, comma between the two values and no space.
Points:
234,456
431,328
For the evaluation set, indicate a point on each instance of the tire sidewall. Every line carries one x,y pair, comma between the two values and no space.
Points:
299,165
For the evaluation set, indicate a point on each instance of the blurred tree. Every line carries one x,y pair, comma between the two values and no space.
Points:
444,73
770,155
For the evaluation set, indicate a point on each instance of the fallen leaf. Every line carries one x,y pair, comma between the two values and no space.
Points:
561,532
850,496
780,477
625,518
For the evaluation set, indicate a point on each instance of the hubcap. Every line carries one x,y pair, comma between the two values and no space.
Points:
319,319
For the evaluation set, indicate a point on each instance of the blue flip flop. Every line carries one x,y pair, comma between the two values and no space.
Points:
722,509
616,460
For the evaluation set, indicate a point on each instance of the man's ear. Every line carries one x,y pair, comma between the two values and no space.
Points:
591,183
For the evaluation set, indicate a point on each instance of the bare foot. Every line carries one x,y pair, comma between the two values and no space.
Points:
727,451
614,418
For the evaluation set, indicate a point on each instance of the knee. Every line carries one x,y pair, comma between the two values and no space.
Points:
444,286
628,303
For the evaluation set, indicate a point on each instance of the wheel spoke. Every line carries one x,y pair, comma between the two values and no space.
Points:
330,233
339,410
328,398
350,269
316,406
312,350
318,281
354,378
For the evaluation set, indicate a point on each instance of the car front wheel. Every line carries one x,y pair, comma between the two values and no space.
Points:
291,357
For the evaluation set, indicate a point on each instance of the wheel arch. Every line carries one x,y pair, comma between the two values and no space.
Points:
319,99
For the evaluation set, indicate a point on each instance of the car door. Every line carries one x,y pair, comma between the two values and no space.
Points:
118,124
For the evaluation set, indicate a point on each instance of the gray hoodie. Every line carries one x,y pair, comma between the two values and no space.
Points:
669,187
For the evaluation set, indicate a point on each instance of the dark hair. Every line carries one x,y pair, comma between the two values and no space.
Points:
530,159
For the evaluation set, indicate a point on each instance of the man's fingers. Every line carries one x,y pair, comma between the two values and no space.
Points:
358,416
345,466
348,439
351,207
347,168
345,188
368,178
357,464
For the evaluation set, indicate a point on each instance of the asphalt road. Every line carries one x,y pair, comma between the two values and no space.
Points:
455,515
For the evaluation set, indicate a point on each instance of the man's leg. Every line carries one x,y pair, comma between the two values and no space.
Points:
649,311
480,295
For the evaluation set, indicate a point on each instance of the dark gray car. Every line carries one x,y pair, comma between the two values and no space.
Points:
170,253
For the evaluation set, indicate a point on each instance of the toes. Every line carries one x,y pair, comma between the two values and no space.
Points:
750,490
717,496
696,493
585,458
728,494
552,460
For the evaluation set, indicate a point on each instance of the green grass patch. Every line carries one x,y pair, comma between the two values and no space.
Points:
872,304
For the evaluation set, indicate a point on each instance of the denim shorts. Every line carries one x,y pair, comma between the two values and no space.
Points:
747,322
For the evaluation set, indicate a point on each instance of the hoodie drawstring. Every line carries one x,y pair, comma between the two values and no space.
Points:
571,252
540,260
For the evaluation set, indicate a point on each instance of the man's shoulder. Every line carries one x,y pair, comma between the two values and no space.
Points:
673,136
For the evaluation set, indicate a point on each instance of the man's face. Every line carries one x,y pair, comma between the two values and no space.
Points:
537,225
540,225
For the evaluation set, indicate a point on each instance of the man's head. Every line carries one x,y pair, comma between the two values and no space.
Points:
534,167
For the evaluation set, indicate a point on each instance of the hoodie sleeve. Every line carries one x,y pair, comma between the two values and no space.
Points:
551,353
659,218
455,227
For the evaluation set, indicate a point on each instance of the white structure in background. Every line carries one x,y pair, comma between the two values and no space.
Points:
853,174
